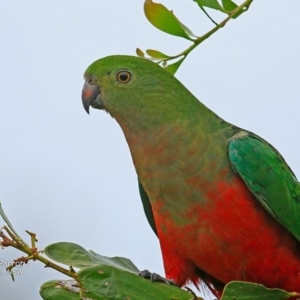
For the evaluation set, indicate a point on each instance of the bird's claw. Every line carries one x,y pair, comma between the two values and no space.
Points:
155,277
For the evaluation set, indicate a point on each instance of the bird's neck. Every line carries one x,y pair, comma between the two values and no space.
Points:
155,142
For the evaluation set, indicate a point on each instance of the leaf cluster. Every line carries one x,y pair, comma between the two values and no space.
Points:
165,20
97,277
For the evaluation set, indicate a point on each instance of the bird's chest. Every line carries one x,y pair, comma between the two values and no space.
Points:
178,169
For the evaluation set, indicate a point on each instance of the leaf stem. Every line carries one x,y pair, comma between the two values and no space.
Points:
206,13
33,254
244,6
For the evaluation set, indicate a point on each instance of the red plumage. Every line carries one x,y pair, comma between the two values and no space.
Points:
233,238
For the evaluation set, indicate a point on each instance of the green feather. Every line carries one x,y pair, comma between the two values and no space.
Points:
147,208
269,178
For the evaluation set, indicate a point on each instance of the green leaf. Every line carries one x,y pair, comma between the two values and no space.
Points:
107,282
102,277
70,254
117,262
5,218
163,19
74,255
64,290
172,68
156,54
229,5
187,30
139,52
238,290
214,4
52,290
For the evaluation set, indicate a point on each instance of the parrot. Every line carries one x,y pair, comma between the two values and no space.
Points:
222,201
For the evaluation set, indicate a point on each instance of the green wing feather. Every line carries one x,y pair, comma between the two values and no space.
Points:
269,178
147,207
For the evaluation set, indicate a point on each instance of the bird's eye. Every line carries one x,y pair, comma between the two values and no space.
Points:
123,76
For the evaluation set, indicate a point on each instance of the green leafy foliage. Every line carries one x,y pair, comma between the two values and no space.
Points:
229,5
74,255
163,19
114,283
55,289
156,54
172,68
238,290
213,4
102,277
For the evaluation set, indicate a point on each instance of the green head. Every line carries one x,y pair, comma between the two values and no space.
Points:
135,89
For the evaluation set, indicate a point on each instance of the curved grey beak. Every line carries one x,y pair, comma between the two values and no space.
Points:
91,96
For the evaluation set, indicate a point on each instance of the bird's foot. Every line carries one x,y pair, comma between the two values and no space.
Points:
155,277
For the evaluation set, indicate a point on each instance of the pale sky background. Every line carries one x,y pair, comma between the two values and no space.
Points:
68,176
